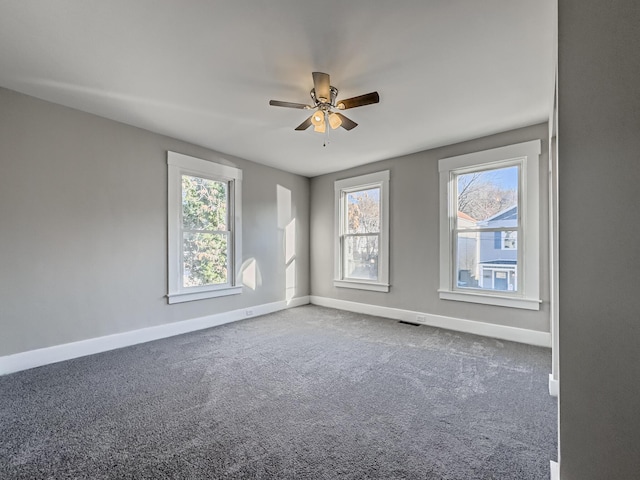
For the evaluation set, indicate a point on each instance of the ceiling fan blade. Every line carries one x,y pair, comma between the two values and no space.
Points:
278,103
359,101
321,85
347,123
304,125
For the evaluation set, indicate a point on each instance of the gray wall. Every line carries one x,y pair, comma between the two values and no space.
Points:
83,243
599,174
414,239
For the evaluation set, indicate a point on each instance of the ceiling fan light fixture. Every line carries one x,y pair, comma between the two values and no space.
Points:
334,121
319,128
317,119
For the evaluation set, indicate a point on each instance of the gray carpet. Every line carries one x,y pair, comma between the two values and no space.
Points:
307,393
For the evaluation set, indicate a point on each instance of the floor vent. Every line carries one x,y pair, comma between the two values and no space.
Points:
413,324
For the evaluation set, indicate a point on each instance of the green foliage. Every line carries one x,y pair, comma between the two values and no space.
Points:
204,204
206,236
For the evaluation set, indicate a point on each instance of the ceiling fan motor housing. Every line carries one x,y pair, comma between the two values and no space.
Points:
318,101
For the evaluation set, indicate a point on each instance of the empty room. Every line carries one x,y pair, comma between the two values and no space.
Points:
318,240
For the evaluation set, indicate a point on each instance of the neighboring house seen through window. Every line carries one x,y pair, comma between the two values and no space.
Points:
204,228
489,227
362,232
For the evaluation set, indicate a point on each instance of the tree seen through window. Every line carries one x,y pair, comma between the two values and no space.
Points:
205,231
362,234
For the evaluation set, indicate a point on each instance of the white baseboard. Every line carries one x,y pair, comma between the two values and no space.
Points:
520,335
67,351
554,386
555,471
58,353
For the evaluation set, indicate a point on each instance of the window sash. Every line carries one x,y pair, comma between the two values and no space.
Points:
228,186
345,204
344,240
228,233
454,286
206,286
454,174
455,231
344,213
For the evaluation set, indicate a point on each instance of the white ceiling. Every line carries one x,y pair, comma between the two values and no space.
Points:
204,71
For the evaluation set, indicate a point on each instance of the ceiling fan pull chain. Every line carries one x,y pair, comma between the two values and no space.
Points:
326,128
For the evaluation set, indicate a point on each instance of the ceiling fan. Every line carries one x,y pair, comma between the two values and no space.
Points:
324,96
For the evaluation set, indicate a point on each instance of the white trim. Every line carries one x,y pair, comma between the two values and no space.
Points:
491,299
187,162
362,180
554,265
527,153
377,179
499,155
554,386
179,164
67,351
376,287
189,296
513,334
555,470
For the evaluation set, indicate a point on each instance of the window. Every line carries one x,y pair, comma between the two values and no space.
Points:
509,240
362,232
204,228
489,234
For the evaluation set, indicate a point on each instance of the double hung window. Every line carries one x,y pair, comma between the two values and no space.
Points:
489,237
204,228
362,232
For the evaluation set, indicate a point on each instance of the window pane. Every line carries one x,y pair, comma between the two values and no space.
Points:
363,211
484,261
204,204
509,240
361,257
467,261
204,259
488,198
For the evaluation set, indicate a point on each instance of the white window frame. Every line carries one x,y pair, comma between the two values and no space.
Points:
503,241
341,189
179,165
493,268
527,156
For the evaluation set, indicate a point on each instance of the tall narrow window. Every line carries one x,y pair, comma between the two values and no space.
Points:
205,231
362,232
486,226
489,236
204,228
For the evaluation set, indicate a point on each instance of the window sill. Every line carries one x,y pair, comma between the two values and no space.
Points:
190,296
376,287
489,299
